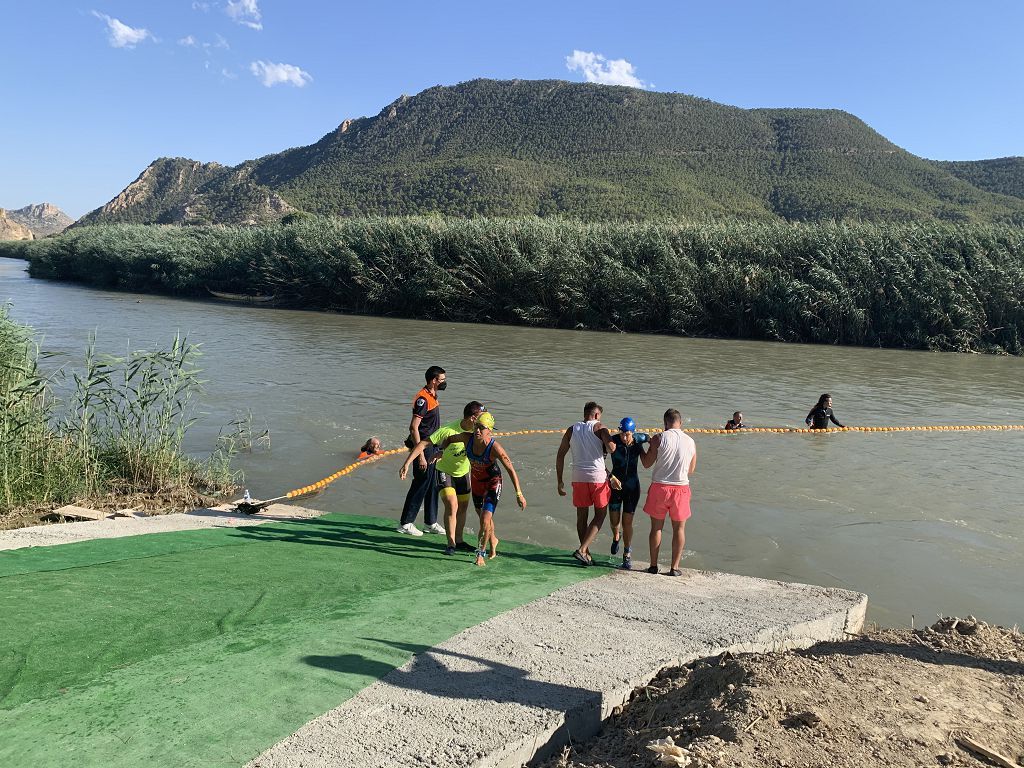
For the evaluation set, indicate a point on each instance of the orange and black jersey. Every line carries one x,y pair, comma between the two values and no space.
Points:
425,406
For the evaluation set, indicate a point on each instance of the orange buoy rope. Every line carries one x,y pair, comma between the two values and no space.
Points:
317,487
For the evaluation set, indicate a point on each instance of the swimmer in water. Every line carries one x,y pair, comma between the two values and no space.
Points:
484,453
736,422
370,448
821,414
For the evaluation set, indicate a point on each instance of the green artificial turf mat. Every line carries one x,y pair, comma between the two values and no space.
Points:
203,648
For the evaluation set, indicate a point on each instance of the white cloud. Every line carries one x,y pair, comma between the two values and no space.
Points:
597,69
121,35
188,42
274,74
246,12
204,7
228,74
221,42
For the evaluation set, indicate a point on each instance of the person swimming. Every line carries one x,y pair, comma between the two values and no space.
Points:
370,448
821,414
736,422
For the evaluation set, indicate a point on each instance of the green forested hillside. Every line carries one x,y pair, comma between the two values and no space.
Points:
514,148
1004,175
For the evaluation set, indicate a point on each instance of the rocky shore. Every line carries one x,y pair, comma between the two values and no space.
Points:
951,694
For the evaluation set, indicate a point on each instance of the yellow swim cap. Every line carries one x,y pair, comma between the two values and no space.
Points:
485,419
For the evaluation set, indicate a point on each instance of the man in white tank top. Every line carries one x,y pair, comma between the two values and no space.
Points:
587,440
673,454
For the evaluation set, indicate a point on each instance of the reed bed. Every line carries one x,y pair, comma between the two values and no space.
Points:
921,286
116,434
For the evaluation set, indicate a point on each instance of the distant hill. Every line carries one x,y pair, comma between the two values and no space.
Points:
42,219
548,147
1004,176
11,229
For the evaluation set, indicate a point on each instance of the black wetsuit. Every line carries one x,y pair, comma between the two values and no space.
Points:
819,418
624,467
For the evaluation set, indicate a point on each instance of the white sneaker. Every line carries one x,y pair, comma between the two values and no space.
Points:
435,528
410,530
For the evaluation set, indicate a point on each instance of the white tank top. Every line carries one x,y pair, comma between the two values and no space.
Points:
587,454
675,453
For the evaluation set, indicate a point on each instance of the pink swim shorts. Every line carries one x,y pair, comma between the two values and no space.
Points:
591,494
671,500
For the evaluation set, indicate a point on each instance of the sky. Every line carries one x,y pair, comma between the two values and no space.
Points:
98,89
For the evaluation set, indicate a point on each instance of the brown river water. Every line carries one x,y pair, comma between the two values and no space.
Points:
923,522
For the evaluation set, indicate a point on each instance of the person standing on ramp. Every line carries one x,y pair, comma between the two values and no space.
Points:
588,440
673,454
426,418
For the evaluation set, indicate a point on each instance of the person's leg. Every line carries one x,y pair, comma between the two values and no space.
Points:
615,517
430,499
417,492
654,540
451,506
463,495
581,522
593,529
627,538
486,532
678,542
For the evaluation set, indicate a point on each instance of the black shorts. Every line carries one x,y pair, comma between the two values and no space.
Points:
460,483
625,500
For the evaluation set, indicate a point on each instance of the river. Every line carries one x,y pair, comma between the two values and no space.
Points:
923,522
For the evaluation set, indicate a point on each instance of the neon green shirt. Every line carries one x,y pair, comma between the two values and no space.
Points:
453,461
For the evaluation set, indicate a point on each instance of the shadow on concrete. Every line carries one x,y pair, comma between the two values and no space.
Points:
486,681
351,535
916,652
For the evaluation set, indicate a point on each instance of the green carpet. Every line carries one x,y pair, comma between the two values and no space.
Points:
203,648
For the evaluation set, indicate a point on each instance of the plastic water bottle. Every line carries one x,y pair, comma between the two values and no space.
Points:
246,497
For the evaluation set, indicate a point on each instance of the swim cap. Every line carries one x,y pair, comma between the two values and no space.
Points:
486,420
627,425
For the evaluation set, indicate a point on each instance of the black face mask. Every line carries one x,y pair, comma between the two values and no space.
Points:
442,386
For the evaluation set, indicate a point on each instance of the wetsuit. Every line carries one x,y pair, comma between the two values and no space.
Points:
423,489
624,467
819,418
731,425
484,477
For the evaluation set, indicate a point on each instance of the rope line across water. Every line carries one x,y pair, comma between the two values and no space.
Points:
321,484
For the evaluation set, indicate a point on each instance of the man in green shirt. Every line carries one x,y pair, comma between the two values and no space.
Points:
453,475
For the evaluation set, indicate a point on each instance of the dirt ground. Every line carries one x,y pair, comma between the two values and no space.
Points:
164,503
887,698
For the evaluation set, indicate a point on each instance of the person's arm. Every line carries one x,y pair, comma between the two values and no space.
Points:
507,462
832,417
414,437
421,446
560,460
693,462
648,457
606,437
810,417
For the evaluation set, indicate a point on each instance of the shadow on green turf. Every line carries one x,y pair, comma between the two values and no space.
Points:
354,535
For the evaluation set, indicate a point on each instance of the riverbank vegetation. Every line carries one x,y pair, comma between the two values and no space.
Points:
920,286
112,438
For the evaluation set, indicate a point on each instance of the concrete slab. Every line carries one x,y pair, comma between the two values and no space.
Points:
80,513
524,683
112,528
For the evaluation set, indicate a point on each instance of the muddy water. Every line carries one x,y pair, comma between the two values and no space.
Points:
924,522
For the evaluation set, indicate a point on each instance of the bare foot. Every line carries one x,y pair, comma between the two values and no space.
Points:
494,548
480,560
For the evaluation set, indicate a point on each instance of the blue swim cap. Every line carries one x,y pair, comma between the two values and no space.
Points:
627,425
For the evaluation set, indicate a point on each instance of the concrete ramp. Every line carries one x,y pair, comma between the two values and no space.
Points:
524,683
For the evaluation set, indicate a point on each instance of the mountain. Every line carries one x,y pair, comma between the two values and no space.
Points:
1004,176
548,147
42,219
11,229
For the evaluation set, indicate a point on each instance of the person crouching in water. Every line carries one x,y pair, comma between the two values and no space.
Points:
484,453
626,498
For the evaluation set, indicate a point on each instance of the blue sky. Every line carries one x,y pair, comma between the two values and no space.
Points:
96,90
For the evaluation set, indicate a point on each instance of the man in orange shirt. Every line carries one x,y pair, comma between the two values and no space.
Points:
426,418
